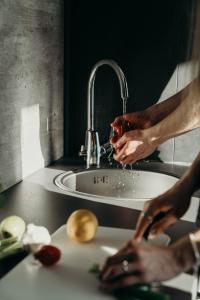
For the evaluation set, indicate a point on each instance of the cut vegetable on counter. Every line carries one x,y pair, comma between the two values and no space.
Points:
16,237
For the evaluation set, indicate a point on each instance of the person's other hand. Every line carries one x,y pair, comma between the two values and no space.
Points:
145,263
127,122
133,146
173,204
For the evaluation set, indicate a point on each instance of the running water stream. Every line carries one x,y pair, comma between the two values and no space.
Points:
112,133
123,122
120,185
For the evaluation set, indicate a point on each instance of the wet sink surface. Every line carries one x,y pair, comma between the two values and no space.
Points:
115,183
125,188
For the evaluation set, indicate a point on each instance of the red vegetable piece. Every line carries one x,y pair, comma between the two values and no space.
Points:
48,255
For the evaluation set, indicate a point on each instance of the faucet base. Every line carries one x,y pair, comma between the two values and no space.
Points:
93,148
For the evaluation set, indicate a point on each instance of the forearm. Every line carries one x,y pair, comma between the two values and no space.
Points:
184,118
161,110
190,181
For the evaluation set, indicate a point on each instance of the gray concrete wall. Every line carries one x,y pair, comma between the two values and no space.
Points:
31,86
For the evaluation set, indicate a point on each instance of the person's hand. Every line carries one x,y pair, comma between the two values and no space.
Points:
133,146
145,263
173,204
127,122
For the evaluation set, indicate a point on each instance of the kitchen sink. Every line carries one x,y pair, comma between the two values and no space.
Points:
120,184
122,187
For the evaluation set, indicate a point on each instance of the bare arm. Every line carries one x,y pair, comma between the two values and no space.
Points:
138,144
161,110
150,116
191,178
184,118
149,263
173,203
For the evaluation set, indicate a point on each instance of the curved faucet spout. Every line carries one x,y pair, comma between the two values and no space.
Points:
92,147
90,95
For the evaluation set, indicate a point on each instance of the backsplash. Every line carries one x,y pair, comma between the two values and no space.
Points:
31,87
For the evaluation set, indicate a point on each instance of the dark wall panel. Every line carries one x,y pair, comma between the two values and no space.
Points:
146,38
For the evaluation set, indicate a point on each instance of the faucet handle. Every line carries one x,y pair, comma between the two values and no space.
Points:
93,148
83,151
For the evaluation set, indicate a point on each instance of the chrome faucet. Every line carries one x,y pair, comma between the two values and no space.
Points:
92,148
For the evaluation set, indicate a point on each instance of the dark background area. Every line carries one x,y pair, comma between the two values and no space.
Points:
146,38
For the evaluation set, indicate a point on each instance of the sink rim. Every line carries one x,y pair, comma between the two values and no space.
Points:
58,182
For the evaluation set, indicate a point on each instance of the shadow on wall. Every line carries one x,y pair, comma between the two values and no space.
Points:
31,87
146,38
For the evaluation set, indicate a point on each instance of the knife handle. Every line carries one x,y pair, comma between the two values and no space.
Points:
157,218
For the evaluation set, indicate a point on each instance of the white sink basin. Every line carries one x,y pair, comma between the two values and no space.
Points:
125,188
115,183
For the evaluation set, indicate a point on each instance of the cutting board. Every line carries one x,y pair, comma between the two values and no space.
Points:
69,279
